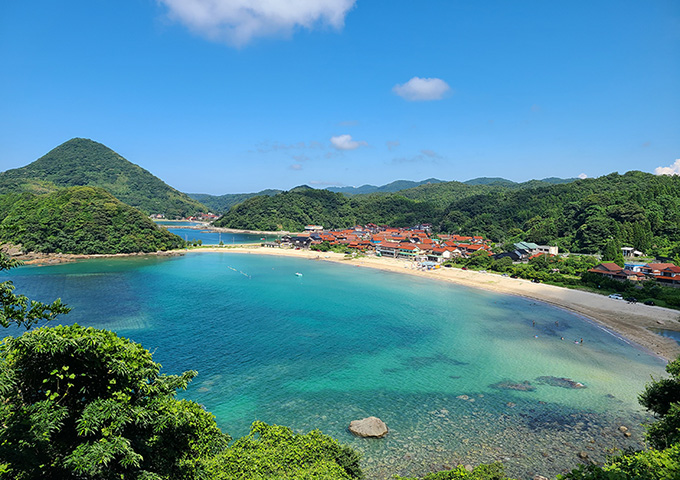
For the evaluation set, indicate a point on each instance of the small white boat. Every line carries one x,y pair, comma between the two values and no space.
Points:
298,274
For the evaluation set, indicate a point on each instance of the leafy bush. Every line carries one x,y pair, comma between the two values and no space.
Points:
275,452
493,471
80,403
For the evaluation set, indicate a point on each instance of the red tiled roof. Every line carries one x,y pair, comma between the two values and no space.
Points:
658,266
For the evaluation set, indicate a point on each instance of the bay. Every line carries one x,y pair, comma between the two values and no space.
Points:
340,343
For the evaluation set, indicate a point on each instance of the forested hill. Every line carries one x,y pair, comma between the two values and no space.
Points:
639,209
222,203
79,220
80,161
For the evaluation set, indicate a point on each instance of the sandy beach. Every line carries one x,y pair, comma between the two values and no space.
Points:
631,321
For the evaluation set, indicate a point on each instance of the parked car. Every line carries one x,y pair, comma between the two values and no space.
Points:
631,299
535,280
616,296
463,268
650,302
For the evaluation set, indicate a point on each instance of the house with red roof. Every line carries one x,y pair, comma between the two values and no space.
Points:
670,276
653,270
613,271
408,251
387,249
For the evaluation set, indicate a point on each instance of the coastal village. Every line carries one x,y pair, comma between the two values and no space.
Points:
429,251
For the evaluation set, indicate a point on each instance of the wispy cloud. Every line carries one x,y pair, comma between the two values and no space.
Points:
349,123
392,144
672,170
296,166
422,89
237,22
430,153
345,142
582,176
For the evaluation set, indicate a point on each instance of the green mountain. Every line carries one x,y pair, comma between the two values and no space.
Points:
493,181
442,194
84,162
502,182
389,188
301,206
637,209
79,220
222,203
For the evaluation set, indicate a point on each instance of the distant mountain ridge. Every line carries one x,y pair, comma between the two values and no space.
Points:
84,162
388,188
222,203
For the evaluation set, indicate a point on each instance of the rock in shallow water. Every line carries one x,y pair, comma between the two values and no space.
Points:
368,427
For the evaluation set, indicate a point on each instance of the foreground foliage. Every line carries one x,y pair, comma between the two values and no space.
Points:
662,398
647,465
494,471
275,452
18,310
84,403
79,220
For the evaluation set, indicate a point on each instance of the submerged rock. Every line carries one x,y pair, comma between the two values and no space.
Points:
524,386
559,382
368,427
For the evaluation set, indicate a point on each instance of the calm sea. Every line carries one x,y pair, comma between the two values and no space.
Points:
340,343
208,237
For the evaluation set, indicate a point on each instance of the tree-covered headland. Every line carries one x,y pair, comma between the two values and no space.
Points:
80,220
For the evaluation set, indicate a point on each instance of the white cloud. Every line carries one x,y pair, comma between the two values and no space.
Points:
345,142
421,89
672,170
237,22
582,176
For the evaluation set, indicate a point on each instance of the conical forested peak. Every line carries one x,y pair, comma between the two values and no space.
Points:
81,161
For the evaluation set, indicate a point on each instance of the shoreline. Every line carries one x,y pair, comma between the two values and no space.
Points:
42,259
632,322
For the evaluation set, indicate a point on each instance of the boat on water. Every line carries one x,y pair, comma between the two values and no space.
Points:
298,274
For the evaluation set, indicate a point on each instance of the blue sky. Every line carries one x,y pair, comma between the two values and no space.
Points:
227,96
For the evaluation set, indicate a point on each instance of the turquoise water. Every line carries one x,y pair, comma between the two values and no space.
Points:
341,342
214,238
